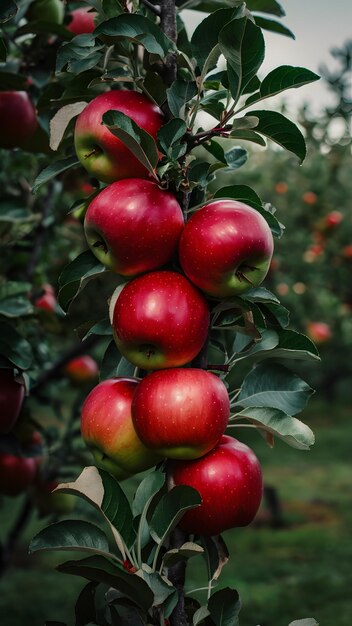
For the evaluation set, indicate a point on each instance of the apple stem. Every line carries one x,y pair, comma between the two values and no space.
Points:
96,150
101,244
241,276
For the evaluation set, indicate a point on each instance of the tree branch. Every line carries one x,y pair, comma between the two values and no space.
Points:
152,7
169,27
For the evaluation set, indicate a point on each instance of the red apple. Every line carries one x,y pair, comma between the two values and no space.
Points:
47,300
226,248
11,399
347,252
16,473
309,197
133,226
82,21
82,369
319,332
102,154
333,219
281,188
107,429
18,120
159,320
229,480
181,413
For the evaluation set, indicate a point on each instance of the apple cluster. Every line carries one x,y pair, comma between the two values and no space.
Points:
171,272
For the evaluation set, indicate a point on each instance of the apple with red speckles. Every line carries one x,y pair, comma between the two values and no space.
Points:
81,21
107,429
229,480
132,226
16,473
11,399
18,120
181,413
160,320
226,248
102,154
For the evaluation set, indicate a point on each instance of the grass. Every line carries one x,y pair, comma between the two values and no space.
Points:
301,570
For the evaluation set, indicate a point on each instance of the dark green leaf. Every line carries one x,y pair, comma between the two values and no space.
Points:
205,36
112,8
149,486
277,127
274,26
291,430
139,29
236,157
170,509
260,294
169,137
79,55
286,77
216,555
141,144
53,170
15,347
111,359
126,615
14,299
185,552
280,344
242,45
3,51
275,314
162,588
76,275
71,535
8,10
44,27
309,621
224,607
179,94
85,611
12,82
271,384
102,329
102,570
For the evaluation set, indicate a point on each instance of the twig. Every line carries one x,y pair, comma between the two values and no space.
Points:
177,575
169,27
152,7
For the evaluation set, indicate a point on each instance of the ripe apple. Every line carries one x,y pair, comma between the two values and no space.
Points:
47,300
133,226
159,320
46,11
319,332
102,154
226,248
16,473
82,21
229,480
333,219
181,413
107,429
18,120
11,399
82,369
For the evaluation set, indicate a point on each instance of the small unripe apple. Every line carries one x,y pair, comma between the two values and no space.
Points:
229,480
181,413
16,473
81,21
159,320
18,120
319,332
82,369
102,154
11,400
133,226
226,248
107,429
46,11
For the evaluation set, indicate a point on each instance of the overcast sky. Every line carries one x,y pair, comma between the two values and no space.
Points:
319,25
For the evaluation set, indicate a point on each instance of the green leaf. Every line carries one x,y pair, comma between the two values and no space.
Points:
309,621
76,275
15,347
102,570
60,121
8,10
248,135
169,137
286,77
39,27
71,535
161,587
246,194
242,45
53,170
205,37
274,26
79,55
3,51
138,29
278,128
146,490
126,615
85,611
110,361
224,607
14,299
280,344
102,329
216,555
179,94
185,552
275,314
104,493
170,509
236,157
200,615
291,430
266,6
271,384
141,144
260,294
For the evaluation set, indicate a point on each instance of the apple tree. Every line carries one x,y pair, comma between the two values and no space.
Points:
170,277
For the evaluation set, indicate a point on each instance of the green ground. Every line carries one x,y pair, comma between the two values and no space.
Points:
301,570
